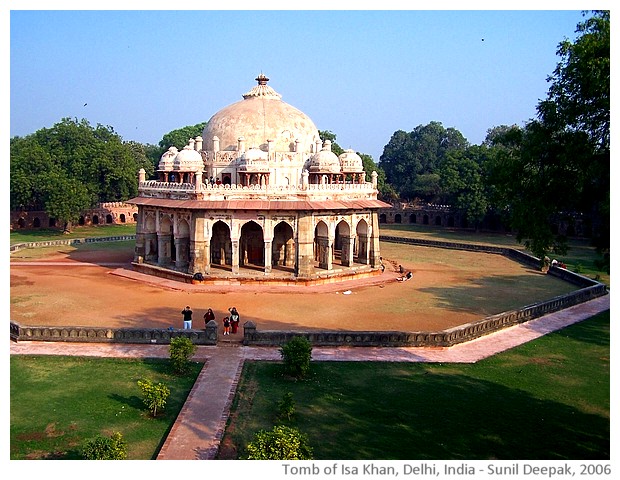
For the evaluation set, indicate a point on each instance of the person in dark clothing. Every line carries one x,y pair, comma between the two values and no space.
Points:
208,316
187,317
234,319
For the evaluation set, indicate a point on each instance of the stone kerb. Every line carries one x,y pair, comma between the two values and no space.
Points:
112,335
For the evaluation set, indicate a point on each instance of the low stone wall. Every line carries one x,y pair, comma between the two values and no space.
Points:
70,241
112,335
444,338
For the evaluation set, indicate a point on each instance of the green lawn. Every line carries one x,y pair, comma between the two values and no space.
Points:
57,403
45,234
548,399
581,256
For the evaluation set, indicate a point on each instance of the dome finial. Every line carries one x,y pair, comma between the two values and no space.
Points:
262,79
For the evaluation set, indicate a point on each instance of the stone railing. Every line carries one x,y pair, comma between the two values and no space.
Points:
208,336
157,186
70,241
443,338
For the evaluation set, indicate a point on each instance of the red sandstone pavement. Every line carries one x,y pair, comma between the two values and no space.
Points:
199,427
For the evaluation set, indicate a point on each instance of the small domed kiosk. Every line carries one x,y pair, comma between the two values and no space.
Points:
258,196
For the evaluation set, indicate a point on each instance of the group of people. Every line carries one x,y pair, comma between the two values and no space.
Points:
231,322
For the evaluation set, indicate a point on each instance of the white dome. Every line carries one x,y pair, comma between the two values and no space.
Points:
167,159
259,117
188,159
325,161
351,162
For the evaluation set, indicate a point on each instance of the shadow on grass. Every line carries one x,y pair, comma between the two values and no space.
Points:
430,412
497,293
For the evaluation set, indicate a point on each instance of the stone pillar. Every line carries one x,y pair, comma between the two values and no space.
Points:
207,255
374,251
150,246
197,253
211,329
304,265
346,254
235,256
249,331
325,253
164,250
182,250
198,143
362,249
141,176
139,250
267,256
216,144
241,144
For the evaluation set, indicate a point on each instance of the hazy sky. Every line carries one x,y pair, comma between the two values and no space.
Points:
361,74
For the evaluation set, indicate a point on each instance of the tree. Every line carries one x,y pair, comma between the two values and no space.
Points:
559,162
281,443
113,447
296,355
463,183
181,350
579,102
71,167
411,161
154,395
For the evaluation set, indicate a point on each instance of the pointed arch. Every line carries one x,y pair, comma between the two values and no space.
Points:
252,245
283,245
221,244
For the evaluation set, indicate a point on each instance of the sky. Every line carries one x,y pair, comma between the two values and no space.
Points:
361,74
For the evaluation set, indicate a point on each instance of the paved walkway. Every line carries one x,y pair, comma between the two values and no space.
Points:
200,425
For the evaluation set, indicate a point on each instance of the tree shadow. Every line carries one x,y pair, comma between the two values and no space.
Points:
433,415
496,293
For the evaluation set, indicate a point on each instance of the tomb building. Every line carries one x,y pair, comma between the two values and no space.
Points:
258,194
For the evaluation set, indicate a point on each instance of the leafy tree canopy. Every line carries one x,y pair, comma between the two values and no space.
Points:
71,167
559,163
411,160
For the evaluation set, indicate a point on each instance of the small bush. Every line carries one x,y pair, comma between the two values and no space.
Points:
181,350
105,448
296,354
281,443
286,407
154,395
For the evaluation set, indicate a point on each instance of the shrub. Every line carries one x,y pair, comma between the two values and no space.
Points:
154,395
281,443
105,448
286,407
181,350
296,354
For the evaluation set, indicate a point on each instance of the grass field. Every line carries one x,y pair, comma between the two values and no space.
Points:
44,234
581,256
548,399
58,403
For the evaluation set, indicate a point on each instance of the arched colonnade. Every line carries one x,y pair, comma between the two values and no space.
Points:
196,243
